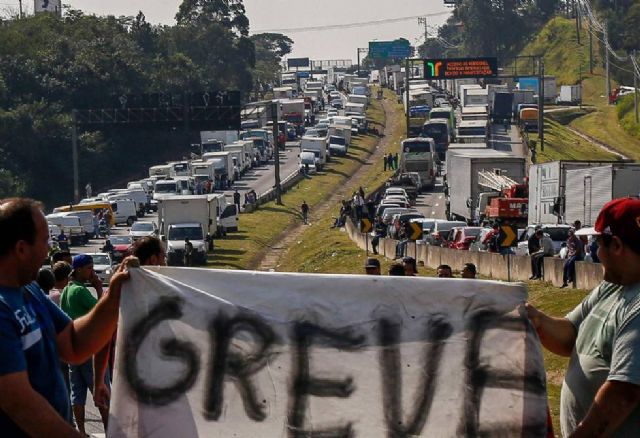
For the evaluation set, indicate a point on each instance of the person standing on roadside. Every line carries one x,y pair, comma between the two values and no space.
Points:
390,161
534,245
601,389
385,162
304,209
575,253
236,199
33,398
395,161
77,301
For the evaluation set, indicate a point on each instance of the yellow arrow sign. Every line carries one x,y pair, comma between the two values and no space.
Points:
507,236
365,226
416,231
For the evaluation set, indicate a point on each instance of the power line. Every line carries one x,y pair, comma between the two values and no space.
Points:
349,25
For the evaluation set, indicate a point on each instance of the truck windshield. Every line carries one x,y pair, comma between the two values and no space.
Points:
165,187
440,115
416,147
334,139
436,131
212,147
181,167
259,143
181,233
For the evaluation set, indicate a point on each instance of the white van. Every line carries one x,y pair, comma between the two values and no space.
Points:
139,196
85,217
124,211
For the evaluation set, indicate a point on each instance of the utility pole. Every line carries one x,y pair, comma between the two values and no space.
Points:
541,102
590,53
274,118
20,6
635,86
74,155
577,12
360,50
423,21
606,54
407,71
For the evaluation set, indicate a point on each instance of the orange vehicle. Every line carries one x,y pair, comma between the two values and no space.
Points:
529,119
512,205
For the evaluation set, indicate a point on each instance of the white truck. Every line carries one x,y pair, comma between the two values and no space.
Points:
293,111
548,188
225,137
241,162
356,109
419,155
338,144
591,188
283,93
462,188
141,199
356,98
202,171
223,165
180,168
570,94
187,217
317,145
160,170
475,97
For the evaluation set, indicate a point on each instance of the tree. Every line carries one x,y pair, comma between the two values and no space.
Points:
228,13
269,48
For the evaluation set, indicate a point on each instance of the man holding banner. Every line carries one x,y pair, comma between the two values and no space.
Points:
601,390
36,334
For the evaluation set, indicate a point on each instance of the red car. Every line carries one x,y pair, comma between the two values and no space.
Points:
121,247
463,237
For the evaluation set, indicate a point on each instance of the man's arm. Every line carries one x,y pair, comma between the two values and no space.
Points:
87,335
101,393
558,335
613,403
29,410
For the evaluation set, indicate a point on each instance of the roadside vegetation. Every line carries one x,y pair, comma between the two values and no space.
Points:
263,228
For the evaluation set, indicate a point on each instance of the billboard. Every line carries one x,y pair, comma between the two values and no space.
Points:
298,62
54,6
459,68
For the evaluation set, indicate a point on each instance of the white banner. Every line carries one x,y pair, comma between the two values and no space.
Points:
248,354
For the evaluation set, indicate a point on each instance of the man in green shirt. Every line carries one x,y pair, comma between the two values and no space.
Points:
601,389
77,301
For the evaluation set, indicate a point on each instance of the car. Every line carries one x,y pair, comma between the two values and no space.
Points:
461,237
559,234
401,201
143,229
395,191
312,132
121,247
477,245
388,214
332,113
337,104
102,266
382,207
440,231
400,219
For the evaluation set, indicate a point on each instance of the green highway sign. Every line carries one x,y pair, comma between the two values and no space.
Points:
389,49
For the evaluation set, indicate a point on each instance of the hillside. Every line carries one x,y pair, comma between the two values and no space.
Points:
568,61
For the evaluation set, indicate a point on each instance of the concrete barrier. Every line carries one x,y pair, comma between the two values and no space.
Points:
433,257
520,268
588,275
553,269
422,254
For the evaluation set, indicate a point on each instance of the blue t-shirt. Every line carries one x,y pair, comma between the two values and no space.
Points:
29,324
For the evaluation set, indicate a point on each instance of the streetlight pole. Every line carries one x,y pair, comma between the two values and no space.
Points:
360,50
74,155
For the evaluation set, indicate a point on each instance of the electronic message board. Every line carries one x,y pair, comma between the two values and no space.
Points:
458,68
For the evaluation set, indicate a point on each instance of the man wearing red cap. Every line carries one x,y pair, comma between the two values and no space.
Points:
601,389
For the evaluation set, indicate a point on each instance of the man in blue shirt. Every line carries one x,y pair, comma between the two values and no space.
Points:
34,332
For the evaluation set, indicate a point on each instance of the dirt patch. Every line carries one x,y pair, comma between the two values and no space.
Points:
292,234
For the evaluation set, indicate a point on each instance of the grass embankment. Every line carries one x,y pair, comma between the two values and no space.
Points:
261,229
322,249
568,61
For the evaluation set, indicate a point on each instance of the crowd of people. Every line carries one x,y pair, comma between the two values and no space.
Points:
57,337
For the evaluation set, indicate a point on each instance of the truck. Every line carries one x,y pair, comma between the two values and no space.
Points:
161,170
419,155
462,187
293,112
341,131
241,161
225,137
501,107
316,145
203,171
256,114
355,109
570,94
463,84
548,187
475,131
180,168
523,97
438,130
356,98
338,145
283,93
445,113
223,165
505,201
187,217
591,188
211,146
475,97
71,227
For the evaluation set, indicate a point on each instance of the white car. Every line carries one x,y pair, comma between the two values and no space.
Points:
559,234
142,229
102,266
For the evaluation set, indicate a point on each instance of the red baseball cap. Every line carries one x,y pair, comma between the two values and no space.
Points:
620,217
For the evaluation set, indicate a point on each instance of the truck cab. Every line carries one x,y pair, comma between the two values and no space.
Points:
175,238
419,155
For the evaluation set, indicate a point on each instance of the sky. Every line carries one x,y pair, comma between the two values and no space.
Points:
287,14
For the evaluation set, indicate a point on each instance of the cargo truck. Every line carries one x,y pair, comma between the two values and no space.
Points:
475,97
570,94
186,217
223,165
548,191
203,171
293,112
501,108
419,155
225,137
316,145
462,186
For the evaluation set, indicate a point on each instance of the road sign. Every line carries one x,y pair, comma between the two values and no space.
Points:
365,226
298,62
416,230
507,237
303,74
389,49
458,68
